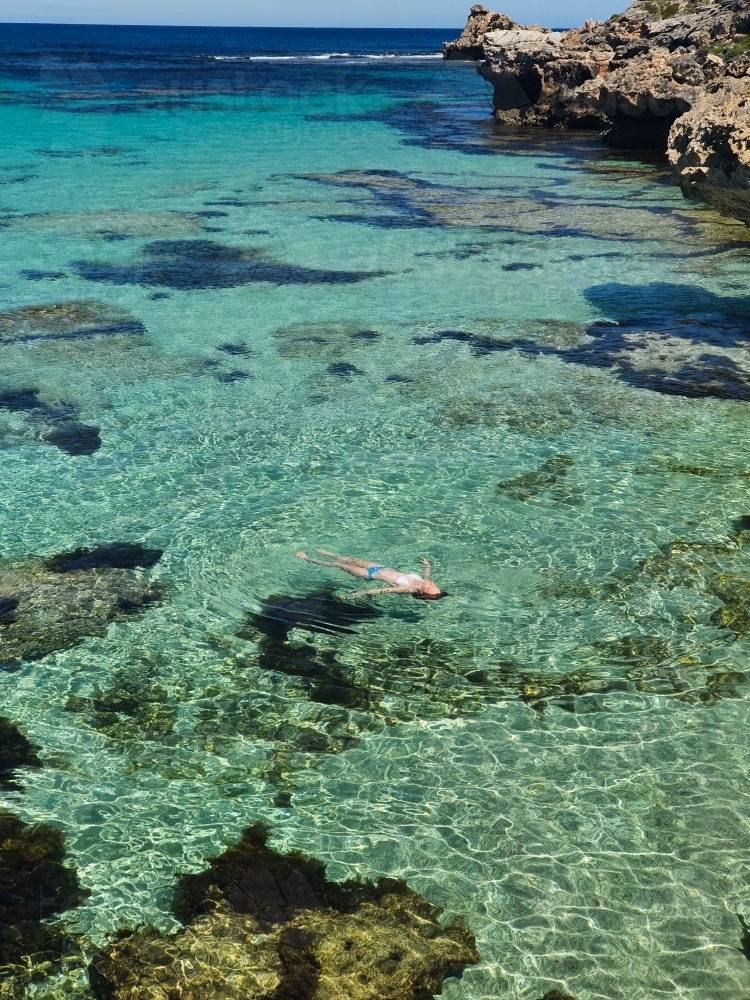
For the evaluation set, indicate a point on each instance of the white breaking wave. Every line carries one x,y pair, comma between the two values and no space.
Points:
325,56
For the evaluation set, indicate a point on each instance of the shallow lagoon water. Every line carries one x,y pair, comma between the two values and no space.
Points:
328,314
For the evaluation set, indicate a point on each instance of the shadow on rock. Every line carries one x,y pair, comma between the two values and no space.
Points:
260,924
54,604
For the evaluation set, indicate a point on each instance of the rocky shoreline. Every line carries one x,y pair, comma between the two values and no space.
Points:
667,75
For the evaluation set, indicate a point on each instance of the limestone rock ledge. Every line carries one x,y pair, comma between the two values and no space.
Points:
671,75
709,148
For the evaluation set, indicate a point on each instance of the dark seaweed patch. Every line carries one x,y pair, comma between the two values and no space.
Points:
399,379
31,274
159,296
74,438
343,369
200,264
66,433
238,349
521,266
211,214
543,480
118,555
256,911
135,707
15,752
229,202
233,376
34,885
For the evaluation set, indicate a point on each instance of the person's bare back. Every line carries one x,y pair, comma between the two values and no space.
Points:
398,583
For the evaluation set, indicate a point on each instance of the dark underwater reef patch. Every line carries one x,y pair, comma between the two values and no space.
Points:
390,199
32,274
34,886
699,356
57,423
188,265
547,480
260,925
65,321
15,752
54,609
133,708
325,341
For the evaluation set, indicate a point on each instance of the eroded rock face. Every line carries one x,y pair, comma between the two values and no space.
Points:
666,74
54,604
709,148
265,925
469,44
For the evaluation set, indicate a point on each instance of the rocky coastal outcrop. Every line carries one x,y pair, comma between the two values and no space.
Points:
671,75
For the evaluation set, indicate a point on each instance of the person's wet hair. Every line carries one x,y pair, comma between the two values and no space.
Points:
431,597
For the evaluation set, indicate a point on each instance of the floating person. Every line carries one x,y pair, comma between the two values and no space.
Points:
398,583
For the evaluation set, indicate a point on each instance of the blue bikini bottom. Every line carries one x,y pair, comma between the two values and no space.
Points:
373,570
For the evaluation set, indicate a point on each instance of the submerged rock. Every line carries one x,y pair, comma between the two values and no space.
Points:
200,264
34,886
55,604
134,707
15,752
329,341
66,321
543,480
64,431
260,924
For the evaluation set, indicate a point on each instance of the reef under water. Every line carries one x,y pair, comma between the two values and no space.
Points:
57,422
260,924
203,264
35,886
15,752
54,604
66,321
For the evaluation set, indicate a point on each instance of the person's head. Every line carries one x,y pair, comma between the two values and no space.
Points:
430,591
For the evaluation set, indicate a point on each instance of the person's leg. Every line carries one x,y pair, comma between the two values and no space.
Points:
360,571
349,560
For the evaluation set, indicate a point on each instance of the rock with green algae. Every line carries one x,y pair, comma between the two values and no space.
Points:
35,885
545,480
133,707
270,926
48,605
15,752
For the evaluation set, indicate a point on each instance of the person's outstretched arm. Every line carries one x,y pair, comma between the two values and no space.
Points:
380,590
427,568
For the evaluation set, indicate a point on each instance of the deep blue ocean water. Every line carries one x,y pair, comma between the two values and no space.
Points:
269,290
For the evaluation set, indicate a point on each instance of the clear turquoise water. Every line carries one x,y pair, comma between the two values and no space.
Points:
603,849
